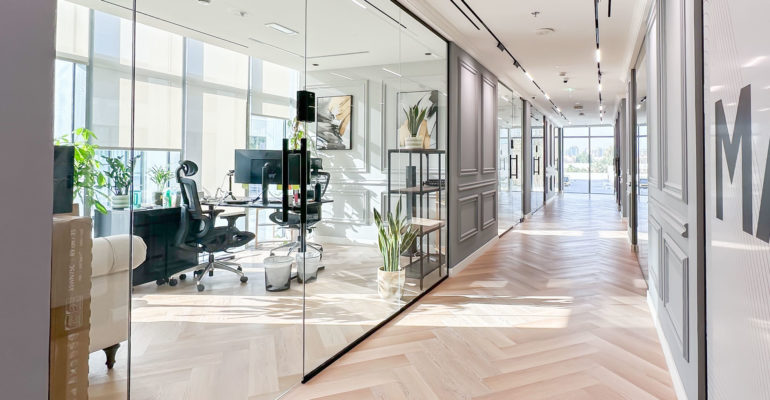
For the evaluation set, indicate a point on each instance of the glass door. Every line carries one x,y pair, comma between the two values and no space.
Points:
509,159
642,181
538,161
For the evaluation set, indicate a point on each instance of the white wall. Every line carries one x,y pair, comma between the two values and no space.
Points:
26,174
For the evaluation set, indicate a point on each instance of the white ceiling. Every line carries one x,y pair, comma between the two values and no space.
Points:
336,34
570,49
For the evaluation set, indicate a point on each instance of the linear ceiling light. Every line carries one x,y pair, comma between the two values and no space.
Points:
281,28
392,72
500,46
359,4
341,76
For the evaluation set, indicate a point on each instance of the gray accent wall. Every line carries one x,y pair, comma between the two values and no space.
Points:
472,155
27,32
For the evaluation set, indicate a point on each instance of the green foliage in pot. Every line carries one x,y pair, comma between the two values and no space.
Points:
120,174
88,177
160,176
414,117
394,236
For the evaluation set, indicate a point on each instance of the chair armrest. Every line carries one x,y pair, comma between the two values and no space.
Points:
213,213
232,217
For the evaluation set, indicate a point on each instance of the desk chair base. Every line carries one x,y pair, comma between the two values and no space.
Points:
213,264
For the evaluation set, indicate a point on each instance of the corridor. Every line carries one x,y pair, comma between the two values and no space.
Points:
556,309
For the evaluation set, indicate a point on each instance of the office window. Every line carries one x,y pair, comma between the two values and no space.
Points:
158,114
224,130
72,22
156,50
225,67
588,159
69,97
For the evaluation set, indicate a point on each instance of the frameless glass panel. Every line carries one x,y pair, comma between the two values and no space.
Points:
216,307
642,182
380,135
576,164
508,161
602,173
538,161
91,258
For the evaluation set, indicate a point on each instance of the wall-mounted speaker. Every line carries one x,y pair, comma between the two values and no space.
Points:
305,106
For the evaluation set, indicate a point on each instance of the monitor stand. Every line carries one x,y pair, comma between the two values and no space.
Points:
265,186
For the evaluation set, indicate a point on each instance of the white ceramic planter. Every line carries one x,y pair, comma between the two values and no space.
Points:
390,285
120,201
413,142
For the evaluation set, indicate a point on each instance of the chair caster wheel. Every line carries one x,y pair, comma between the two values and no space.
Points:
272,254
244,279
172,282
239,268
160,282
200,287
211,273
198,272
182,277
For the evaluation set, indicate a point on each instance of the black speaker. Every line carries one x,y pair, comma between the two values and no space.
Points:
305,106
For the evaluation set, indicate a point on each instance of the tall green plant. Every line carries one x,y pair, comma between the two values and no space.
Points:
161,176
394,236
88,179
414,117
120,174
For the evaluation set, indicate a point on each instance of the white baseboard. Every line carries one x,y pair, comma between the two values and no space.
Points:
677,381
472,257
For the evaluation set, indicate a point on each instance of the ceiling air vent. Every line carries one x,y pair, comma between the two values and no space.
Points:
544,31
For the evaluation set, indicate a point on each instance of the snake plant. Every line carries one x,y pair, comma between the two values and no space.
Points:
414,117
394,236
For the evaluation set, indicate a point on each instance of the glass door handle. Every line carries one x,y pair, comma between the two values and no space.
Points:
514,161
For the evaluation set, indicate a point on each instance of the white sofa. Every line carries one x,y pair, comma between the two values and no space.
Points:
111,291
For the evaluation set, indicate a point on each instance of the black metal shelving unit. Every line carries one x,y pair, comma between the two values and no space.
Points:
422,262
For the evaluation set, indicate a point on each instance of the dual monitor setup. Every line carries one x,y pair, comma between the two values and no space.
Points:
264,167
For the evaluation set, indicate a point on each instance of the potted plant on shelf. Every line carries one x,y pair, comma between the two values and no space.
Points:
394,236
120,181
88,178
160,176
415,119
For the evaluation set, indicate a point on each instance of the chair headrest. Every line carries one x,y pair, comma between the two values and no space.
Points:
187,167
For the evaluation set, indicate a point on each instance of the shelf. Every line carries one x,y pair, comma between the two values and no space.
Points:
427,225
429,265
416,190
416,151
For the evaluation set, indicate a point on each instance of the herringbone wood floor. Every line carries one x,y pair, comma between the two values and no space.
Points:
555,310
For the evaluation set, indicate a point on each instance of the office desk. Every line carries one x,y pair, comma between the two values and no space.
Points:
258,205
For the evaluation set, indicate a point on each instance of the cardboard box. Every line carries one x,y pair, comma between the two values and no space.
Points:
70,307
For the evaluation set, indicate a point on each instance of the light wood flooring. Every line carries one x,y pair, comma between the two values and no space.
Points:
237,341
555,310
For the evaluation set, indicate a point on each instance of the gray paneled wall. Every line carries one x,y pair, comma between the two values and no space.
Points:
526,165
472,156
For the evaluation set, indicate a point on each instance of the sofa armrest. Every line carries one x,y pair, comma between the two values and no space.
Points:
111,254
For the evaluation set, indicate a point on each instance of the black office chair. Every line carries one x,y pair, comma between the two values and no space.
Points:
313,217
197,230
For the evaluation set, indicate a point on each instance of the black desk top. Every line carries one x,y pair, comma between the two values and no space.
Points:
274,205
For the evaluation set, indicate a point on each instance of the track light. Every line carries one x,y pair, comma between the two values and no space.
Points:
598,55
529,76
500,46
600,88
358,3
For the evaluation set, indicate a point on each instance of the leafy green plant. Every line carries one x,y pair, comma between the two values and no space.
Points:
414,117
297,134
88,177
120,174
161,176
394,236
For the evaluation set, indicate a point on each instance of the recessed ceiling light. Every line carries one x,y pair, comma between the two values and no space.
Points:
358,3
281,28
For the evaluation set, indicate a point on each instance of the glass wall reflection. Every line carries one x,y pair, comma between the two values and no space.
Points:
186,125
538,160
509,120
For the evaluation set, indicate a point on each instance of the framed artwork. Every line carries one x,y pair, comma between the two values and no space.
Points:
334,122
428,130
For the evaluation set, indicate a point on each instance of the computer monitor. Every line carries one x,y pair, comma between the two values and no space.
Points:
249,165
63,178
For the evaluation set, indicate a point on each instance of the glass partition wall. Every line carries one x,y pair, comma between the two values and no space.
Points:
509,113
186,108
642,183
538,160
588,153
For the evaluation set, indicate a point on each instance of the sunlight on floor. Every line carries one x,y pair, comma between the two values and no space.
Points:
549,233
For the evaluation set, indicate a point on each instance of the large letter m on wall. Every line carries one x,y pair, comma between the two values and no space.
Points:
741,140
